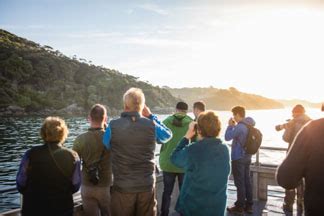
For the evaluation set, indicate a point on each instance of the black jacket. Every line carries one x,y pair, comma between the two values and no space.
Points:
306,159
48,187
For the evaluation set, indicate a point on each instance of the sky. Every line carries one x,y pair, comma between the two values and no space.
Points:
271,48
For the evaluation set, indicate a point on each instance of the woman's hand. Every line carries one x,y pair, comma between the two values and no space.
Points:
191,130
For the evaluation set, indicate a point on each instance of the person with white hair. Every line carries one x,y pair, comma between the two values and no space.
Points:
132,139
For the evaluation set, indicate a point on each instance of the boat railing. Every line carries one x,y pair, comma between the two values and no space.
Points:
263,175
257,163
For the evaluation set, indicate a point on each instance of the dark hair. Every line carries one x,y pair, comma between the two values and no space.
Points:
239,110
182,106
97,113
199,105
209,124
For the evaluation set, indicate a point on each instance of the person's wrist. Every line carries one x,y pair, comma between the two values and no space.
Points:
185,137
188,136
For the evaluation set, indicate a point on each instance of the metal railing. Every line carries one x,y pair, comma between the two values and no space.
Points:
257,162
11,189
257,155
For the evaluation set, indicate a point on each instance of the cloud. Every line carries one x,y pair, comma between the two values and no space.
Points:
24,27
83,35
154,8
155,42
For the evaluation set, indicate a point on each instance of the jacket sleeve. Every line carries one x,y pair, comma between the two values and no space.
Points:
22,175
179,156
76,177
287,136
232,132
292,169
107,137
163,134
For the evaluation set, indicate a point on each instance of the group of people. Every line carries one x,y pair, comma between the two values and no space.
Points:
118,163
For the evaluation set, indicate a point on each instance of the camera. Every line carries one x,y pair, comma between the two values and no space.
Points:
93,172
196,128
282,126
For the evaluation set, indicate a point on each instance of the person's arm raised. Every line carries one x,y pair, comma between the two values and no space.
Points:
163,134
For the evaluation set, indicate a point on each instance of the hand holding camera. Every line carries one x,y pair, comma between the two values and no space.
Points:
192,130
231,122
282,126
146,111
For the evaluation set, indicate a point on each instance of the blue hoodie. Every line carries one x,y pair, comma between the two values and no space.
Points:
238,134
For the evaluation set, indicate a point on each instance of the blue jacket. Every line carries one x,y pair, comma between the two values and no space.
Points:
207,168
238,134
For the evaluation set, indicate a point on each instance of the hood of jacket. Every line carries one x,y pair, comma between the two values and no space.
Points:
249,121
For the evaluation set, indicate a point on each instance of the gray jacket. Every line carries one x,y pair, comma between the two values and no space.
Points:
133,145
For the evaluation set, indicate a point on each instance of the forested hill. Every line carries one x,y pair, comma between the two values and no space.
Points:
34,78
225,99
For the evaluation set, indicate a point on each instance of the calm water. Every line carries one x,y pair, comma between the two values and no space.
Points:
19,134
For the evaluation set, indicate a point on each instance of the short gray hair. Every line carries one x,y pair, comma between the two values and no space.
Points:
134,99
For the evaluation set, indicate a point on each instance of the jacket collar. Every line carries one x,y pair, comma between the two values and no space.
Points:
208,139
95,129
130,114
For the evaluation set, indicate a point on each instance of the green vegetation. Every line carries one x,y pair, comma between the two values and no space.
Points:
37,77
223,99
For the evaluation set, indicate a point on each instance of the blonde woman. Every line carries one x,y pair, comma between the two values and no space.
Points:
49,173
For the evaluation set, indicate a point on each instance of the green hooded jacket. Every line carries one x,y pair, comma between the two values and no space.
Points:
178,124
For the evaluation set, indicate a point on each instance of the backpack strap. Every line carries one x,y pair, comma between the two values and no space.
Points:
102,153
247,135
56,164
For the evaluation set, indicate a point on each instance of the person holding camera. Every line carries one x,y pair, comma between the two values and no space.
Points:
132,139
198,107
237,131
178,123
96,165
305,160
207,167
291,128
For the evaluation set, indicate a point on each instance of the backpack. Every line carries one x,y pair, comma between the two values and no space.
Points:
253,139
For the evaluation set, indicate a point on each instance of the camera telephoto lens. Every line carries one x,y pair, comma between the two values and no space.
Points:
278,127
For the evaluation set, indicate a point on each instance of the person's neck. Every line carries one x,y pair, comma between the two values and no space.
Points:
96,125
240,119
